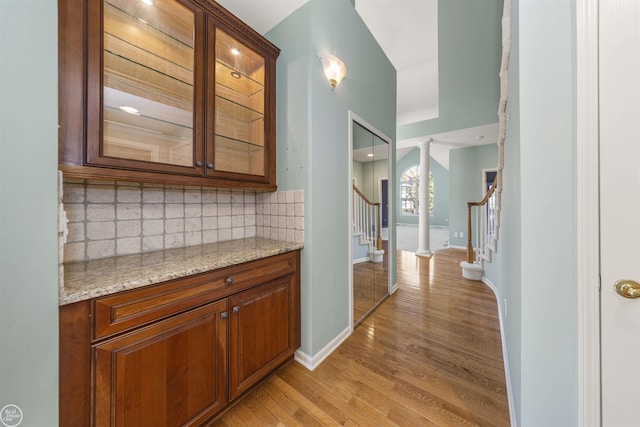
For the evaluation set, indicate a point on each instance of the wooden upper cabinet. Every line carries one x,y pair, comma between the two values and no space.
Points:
238,145
171,91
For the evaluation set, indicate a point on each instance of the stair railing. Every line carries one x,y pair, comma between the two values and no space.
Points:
367,218
485,199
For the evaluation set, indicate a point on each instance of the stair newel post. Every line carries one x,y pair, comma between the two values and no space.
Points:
470,251
360,216
367,223
379,240
354,213
363,213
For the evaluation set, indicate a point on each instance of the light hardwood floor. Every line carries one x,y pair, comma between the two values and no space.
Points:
370,284
429,355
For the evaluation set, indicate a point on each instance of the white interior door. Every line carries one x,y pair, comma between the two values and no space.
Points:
619,84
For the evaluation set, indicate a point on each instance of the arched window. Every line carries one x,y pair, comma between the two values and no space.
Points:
409,190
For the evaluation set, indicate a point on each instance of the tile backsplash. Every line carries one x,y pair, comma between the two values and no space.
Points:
119,218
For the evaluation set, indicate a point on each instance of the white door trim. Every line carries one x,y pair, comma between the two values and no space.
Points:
587,231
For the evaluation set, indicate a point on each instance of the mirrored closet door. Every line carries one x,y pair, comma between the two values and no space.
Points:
370,197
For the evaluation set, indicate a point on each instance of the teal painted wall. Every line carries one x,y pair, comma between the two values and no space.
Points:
313,146
356,172
372,172
535,266
549,393
440,174
368,174
505,269
540,327
469,49
465,180
28,211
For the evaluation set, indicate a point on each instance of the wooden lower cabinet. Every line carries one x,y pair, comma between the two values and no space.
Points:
178,365
170,374
260,333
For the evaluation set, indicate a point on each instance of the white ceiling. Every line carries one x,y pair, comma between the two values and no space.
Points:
407,31
261,15
396,26
441,143
399,27
369,154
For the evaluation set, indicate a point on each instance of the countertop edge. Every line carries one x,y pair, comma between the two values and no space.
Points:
192,267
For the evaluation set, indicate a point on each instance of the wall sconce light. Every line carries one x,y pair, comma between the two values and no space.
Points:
334,69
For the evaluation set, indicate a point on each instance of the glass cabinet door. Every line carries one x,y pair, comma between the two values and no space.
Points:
239,141
176,91
148,80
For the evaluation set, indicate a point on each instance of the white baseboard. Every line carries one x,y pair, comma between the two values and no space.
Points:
394,288
312,362
456,247
359,260
512,411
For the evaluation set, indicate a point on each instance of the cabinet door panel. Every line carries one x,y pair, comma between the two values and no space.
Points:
261,332
150,65
170,374
237,146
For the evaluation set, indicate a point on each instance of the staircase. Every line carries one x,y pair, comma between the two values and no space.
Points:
366,228
481,245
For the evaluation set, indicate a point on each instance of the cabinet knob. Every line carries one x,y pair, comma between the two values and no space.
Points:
210,165
236,309
224,315
229,281
199,163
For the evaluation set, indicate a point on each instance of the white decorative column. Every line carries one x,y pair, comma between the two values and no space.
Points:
423,201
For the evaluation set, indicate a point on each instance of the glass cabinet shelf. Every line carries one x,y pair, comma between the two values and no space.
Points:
134,78
238,156
249,146
133,34
140,21
235,80
152,125
249,133
160,139
239,112
238,57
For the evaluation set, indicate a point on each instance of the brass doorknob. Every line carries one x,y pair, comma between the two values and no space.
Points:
627,288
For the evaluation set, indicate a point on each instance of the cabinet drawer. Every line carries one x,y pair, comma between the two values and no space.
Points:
123,311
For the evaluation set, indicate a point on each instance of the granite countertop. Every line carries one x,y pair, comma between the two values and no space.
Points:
89,279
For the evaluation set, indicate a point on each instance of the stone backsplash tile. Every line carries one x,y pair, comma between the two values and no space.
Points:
120,218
